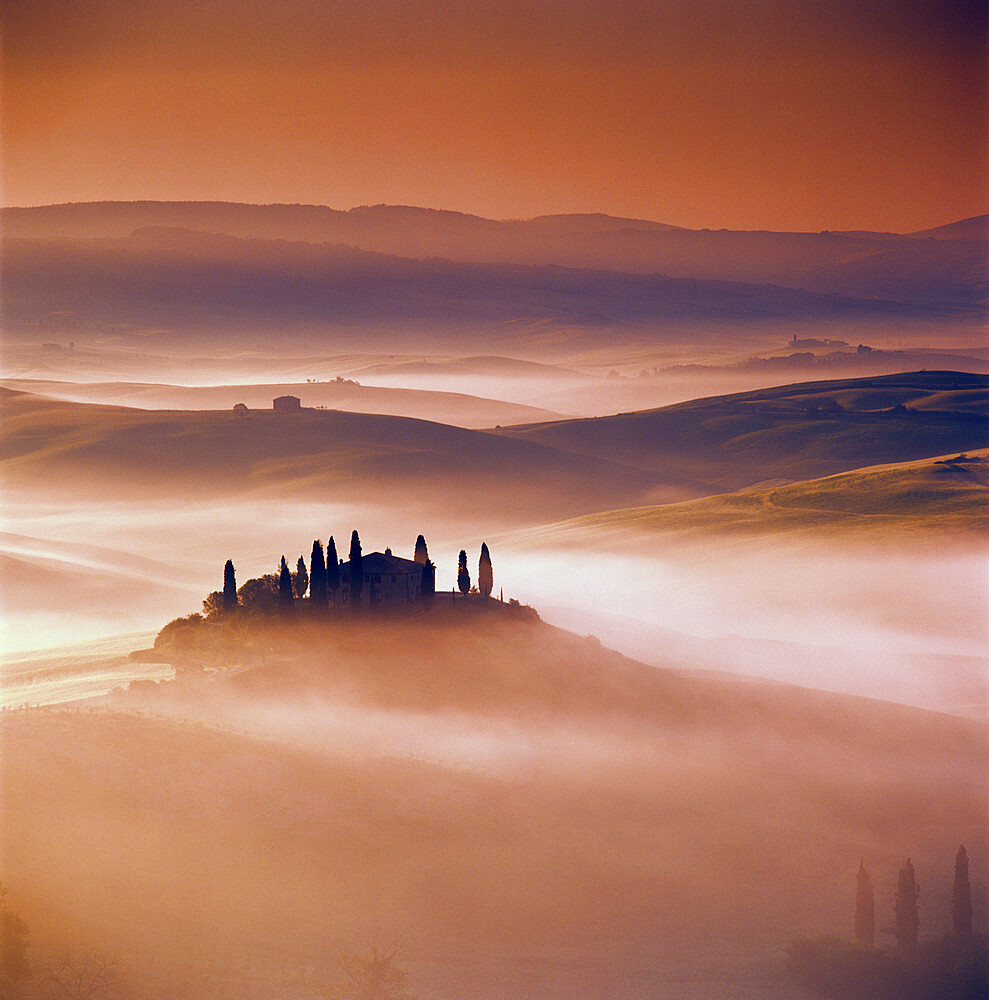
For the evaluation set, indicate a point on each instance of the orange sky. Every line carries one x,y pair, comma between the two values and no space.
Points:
777,114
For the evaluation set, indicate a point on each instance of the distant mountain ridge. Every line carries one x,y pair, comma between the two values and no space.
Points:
946,265
185,282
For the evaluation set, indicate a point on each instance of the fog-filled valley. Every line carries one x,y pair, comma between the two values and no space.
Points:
729,644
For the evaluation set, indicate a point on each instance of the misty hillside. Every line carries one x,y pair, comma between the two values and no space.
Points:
324,455
950,268
185,284
800,431
929,502
554,802
458,409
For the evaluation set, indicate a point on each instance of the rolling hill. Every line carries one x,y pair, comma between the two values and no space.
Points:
325,455
458,409
800,431
926,502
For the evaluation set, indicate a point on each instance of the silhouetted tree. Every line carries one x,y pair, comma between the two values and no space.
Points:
317,576
906,920
259,593
961,896
463,576
428,582
421,553
372,975
300,579
285,596
14,965
485,578
90,975
356,570
214,604
865,909
332,569
229,587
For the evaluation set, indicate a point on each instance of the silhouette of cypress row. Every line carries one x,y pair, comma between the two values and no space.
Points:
356,570
229,587
332,569
317,576
865,909
286,599
485,577
463,576
961,896
421,554
906,921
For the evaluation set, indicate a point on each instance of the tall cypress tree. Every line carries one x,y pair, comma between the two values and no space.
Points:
485,577
906,920
286,598
428,582
229,587
865,909
301,578
317,576
961,896
332,569
422,553
463,576
356,570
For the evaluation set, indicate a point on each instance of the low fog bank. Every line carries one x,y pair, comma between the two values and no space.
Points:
890,621
635,835
885,624
77,672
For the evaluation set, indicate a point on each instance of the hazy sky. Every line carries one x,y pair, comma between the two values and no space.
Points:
783,114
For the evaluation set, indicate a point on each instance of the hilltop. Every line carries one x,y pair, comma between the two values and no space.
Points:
924,502
799,431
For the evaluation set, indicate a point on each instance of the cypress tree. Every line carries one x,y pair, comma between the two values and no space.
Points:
229,587
356,570
906,921
332,569
463,577
865,910
301,579
285,596
961,896
485,578
317,576
422,553
428,582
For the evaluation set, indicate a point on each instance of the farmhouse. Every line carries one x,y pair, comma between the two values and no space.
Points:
286,404
388,579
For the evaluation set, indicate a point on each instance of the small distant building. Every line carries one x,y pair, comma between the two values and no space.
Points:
286,404
388,579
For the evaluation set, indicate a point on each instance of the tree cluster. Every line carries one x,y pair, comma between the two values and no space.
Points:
953,967
319,583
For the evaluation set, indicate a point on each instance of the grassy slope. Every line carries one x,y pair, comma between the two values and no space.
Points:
932,495
590,827
458,409
736,441
339,454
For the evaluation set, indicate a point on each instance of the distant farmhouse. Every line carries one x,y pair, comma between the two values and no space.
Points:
286,404
388,579
374,580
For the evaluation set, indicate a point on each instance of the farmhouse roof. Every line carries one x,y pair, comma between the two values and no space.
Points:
381,562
